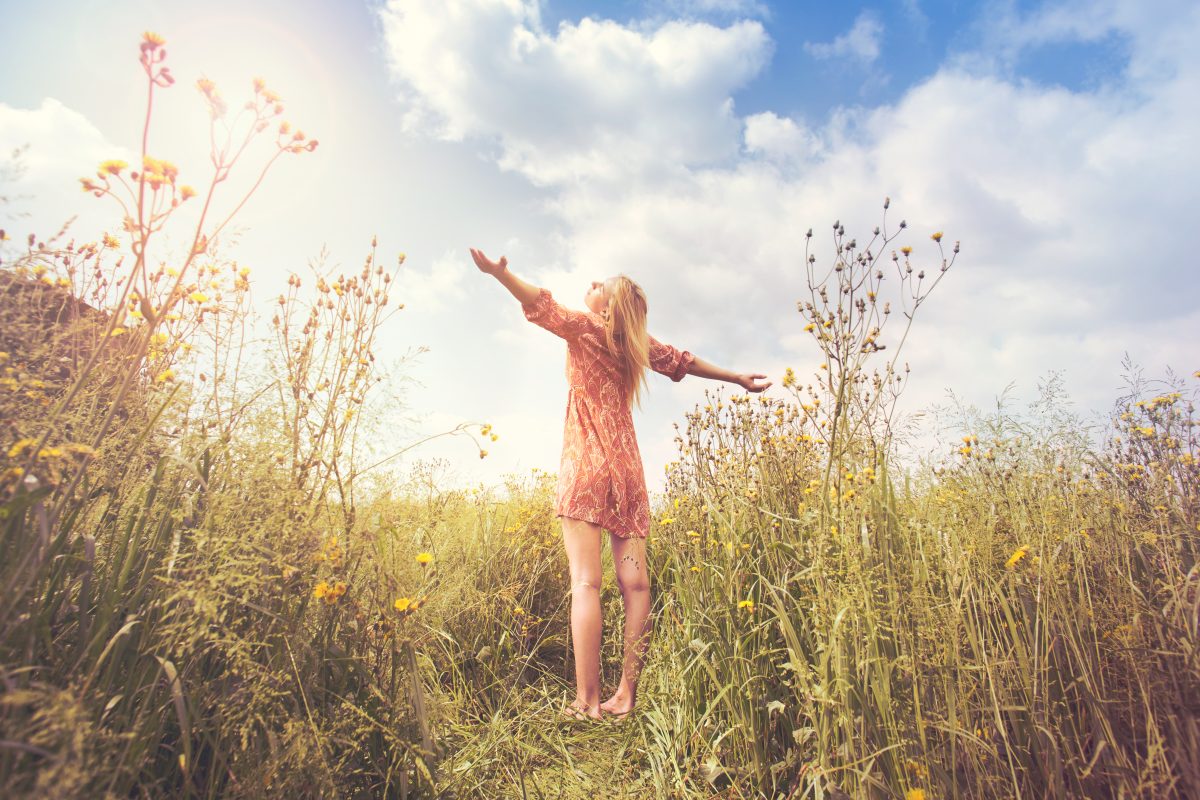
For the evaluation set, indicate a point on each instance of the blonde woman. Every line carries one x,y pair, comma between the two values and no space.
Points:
601,484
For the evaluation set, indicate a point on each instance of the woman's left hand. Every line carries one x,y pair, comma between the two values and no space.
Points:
486,265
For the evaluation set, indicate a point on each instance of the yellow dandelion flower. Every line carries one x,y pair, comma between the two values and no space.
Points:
1016,557
321,589
402,604
666,521
111,241
20,447
198,297
152,41
166,375
746,604
695,569
694,534
483,453
906,250
113,166
186,192
914,794
424,558
937,237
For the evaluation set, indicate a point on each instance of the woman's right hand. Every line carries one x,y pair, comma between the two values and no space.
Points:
746,381
486,265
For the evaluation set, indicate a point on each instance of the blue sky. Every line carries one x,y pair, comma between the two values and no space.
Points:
687,143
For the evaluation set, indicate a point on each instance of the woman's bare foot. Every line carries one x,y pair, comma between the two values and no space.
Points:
621,703
581,710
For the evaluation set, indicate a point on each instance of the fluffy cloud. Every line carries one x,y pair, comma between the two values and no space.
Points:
860,43
779,139
594,101
59,145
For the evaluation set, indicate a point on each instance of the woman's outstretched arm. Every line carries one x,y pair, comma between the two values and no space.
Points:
525,292
705,369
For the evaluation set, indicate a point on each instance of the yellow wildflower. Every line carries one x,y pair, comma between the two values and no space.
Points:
402,604
152,41
1017,555
198,297
746,604
113,166
20,447
914,794
424,558
321,589
906,250
937,237
166,375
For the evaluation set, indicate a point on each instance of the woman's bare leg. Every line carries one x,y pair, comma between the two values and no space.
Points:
629,558
582,540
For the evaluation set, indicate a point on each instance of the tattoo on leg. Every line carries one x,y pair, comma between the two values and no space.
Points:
630,558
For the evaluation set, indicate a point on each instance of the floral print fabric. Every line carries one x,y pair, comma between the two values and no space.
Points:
600,477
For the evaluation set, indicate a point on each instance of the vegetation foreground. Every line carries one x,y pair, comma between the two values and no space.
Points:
212,588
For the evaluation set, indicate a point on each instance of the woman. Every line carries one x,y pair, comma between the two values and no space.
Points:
600,481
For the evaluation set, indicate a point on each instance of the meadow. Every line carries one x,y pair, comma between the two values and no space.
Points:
209,588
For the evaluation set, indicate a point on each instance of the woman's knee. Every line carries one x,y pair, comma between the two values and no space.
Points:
584,587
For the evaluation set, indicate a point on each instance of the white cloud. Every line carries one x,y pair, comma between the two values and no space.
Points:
779,138
860,43
440,289
63,146
594,101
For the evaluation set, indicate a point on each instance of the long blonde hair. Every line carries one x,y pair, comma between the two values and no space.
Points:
625,333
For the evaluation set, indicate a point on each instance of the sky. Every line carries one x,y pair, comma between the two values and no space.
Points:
688,144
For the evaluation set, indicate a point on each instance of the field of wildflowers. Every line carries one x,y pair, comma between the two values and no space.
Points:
207,589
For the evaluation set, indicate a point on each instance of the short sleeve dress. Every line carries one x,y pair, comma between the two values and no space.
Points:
600,477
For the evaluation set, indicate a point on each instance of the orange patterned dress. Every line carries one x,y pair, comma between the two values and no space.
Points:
600,478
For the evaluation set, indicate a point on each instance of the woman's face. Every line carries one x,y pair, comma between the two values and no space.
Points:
597,297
